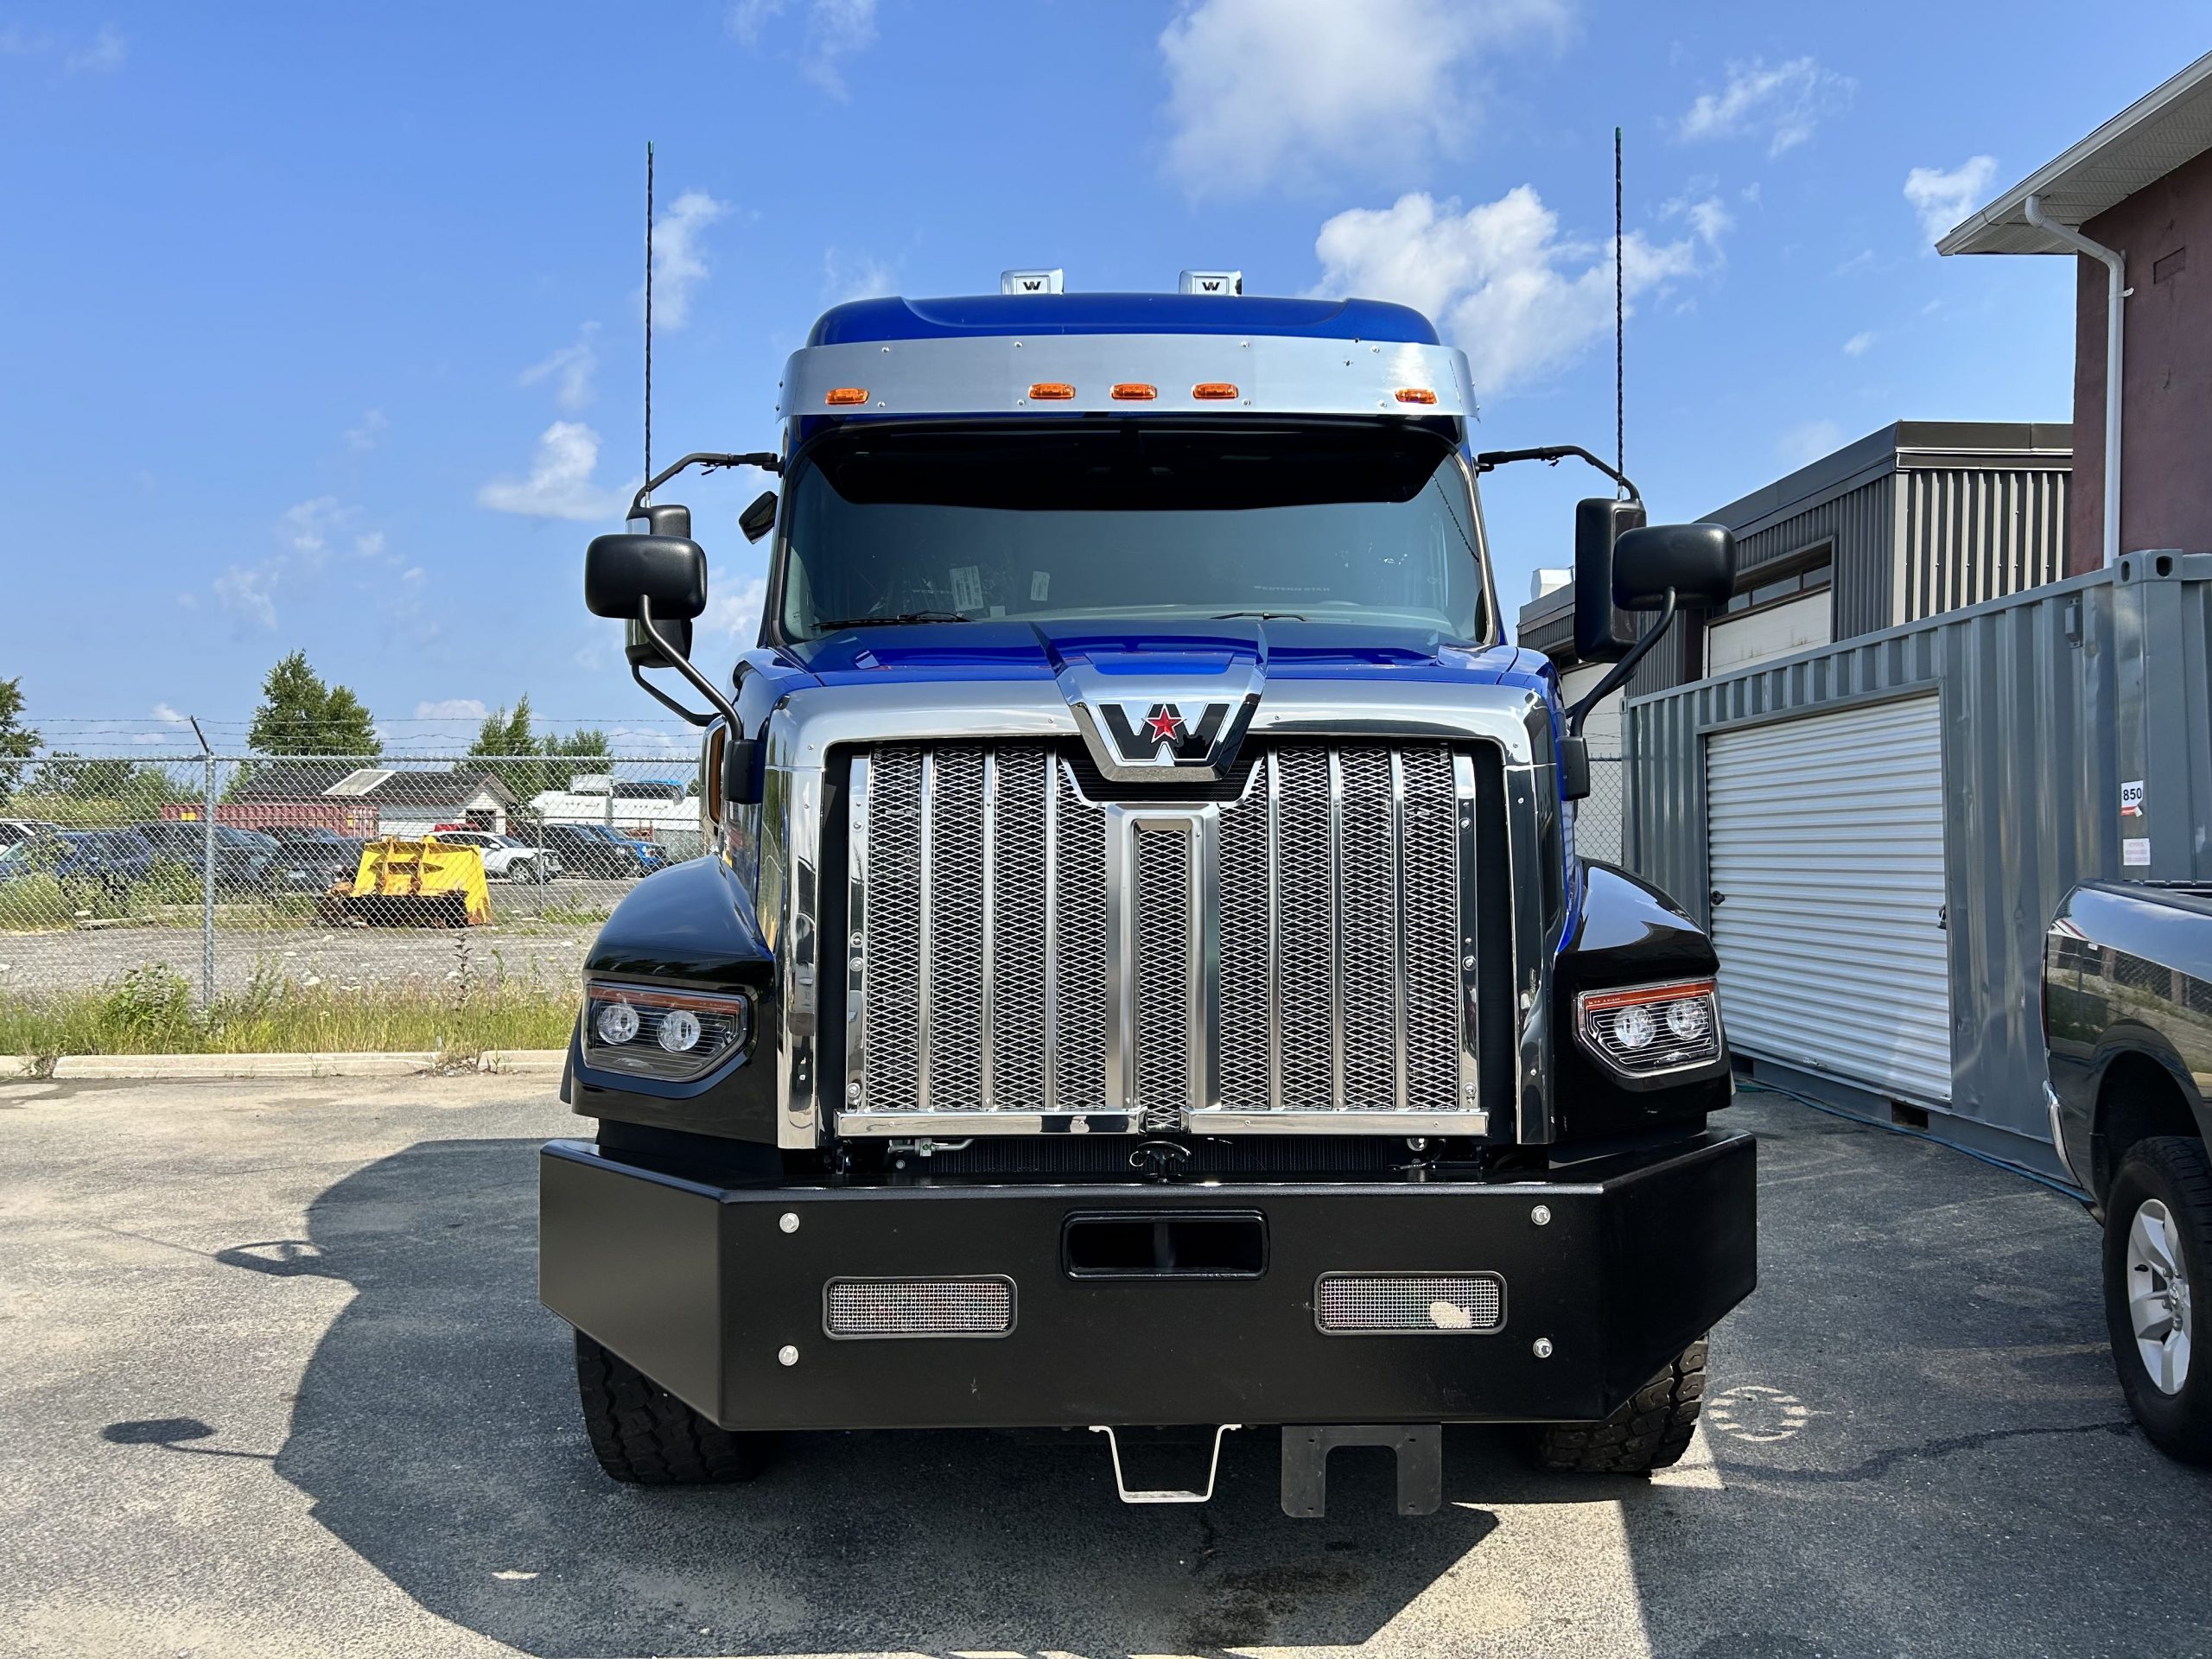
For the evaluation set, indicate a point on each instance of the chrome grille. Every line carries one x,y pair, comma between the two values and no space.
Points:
918,1307
1298,946
1429,1303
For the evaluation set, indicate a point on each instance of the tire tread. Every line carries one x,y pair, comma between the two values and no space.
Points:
644,1435
1650,1430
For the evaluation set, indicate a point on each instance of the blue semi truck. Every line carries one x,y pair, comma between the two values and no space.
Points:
1143,975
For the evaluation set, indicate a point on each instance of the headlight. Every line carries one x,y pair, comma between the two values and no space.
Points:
1649,1029
675,1036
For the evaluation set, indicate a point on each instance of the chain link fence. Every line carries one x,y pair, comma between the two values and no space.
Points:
1599,817
232,870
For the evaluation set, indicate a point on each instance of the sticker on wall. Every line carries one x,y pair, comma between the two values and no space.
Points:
2130,799
2136,853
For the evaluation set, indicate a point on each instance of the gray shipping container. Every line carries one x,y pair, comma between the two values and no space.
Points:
2049,703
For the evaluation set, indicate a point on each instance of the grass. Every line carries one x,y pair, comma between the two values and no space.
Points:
153,1011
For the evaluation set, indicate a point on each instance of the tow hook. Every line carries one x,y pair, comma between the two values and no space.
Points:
1160,1160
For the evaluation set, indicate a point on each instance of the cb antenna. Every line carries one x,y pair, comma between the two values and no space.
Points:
1620,326
649,308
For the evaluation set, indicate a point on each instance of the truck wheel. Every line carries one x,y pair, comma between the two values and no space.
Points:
2157,1255
642,1434
1650,1431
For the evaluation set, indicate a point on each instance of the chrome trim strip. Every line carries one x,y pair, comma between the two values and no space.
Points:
1275,932
1398,922
857,915
1051,933
987,1061
1224,1121
1205,959
926,1035
1532,963
1120,960
1471,852
2058,1136
954,1126
992,375
1336,924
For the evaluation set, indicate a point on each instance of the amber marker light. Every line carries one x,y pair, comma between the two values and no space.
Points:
1051,391
1415,395
1134,392
1215,392
845,397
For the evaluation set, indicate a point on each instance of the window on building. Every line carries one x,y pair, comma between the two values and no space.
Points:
1778,609
1766,587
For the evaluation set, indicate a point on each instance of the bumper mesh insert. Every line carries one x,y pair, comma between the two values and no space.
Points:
1407,1303
918,1307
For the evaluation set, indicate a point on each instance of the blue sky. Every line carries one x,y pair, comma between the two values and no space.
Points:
319,326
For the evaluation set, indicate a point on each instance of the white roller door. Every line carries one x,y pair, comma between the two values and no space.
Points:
1826,846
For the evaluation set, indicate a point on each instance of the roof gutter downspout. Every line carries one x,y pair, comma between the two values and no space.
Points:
2116,291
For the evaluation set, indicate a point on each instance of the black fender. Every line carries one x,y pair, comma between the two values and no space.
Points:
1630,933
690,926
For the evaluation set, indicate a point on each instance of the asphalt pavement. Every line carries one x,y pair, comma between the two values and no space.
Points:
275,1382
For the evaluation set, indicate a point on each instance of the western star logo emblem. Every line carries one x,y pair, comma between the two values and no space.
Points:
1164,726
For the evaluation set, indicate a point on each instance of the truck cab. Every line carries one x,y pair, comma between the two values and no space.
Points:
1143,975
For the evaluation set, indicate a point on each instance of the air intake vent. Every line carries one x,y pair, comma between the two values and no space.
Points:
855,1308
1410,1303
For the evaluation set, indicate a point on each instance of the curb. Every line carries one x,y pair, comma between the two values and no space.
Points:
516,1062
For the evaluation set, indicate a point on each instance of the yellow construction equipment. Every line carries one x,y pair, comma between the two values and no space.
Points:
408,883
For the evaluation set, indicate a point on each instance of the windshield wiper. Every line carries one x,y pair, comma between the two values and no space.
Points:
1264,616
836,624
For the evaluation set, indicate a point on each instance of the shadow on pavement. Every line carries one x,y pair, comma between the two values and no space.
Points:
437,1433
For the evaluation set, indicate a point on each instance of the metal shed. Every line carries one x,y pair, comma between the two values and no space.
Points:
1898,816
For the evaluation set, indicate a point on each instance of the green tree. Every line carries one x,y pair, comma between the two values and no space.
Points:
18,742
505,733
585,743
98,789
300,715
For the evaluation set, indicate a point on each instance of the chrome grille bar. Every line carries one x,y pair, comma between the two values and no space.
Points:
1300,957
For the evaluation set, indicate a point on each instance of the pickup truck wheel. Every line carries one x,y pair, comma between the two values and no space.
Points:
642,1434
2158,1255
1648,1431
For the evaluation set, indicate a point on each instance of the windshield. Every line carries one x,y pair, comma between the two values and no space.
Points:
1310,522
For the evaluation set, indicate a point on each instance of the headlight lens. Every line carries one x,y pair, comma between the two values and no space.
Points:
1644,1030
673,1036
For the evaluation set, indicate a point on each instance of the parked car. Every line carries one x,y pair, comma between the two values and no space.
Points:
245,859
592,849
506,857
15,829
2127,1027
114,858
316,863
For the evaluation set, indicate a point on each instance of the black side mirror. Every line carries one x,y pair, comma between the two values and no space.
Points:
758,519
1602,632
625,575
644,652
1697,561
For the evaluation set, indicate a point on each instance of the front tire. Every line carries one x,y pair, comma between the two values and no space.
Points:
1650,1430
644,1435
2157,1255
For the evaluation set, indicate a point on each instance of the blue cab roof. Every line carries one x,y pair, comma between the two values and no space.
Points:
972,315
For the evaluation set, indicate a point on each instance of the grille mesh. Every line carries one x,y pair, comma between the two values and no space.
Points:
1367,934
1246,955
1018,925
1163,968
1464,1304
955,1037
1079,949
1306,953
1429,845
894,930
918,1307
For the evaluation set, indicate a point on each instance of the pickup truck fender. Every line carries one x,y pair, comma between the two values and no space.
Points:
692,925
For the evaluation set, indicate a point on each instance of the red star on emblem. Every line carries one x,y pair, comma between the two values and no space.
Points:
1162,727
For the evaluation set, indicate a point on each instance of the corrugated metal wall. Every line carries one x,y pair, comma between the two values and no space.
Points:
1971,534
2051,699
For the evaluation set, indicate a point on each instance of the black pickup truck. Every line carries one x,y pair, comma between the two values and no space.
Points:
2128,1022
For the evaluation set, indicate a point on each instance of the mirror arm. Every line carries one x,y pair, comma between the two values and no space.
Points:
683,666
1552,454
766,460
662,697
1617,675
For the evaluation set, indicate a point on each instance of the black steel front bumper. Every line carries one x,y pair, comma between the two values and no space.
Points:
714,1295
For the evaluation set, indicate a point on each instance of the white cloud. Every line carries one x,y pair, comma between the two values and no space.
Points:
170,717
308,527
106,51
736,615
1943,199
679,266
364,435
452,708
245,589
571,368
834,30
1807,441
1784,101
1504,284
855,278
1859,343
1262,92
560,482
